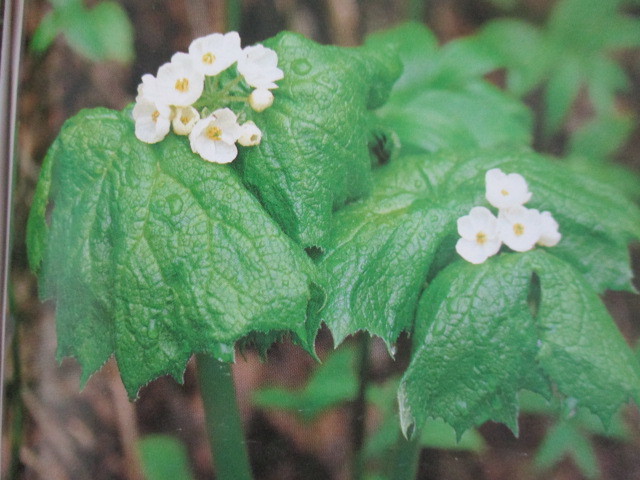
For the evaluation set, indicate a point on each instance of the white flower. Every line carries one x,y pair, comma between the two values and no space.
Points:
506,191
148,89
152,121
250,135
216,52
519,228
260,99
184,120
214,137
479,232
549,236
259,67
179,82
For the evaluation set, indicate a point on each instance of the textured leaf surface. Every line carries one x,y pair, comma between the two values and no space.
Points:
582,350
382,249
441,100
314,155
477,342
474,347
153,254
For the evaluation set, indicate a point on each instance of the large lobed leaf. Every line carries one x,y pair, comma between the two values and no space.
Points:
381,250
314,155
478,343
153,254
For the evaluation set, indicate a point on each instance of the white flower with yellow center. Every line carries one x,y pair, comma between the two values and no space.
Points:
216,52
506,191
214,137
250,135
148,89
479,232
180,83
184,119
519,228
261,99
259,67
549,236
153,121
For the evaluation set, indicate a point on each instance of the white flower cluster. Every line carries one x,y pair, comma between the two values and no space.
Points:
192,94
518,227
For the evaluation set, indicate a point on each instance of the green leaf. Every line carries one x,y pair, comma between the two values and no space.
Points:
581,349
382,249
153,254
474,115
164,458
562,89
441,100
314,155
332,383
46,32
115,31
474,347
601,137
520,47
563,439
101,33
484,332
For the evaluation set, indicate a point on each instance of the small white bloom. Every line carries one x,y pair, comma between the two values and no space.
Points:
179,82
259,67
148,89
479,232
250,134
216,52
506,191
519,228
152,121
261,99
214,137
184,120
549,236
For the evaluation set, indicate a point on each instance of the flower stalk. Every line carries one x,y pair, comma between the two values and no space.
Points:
224,425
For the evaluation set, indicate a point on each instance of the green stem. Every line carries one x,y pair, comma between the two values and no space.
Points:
360,407
224,426
234,15
407,455
230,86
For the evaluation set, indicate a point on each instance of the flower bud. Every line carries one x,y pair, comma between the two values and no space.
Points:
250,135
260,99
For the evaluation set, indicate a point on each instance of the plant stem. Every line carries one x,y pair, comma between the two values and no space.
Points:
407,455
359,418
234,15
224,426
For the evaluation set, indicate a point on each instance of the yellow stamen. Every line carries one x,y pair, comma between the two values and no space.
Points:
184,119
504,192
213,133
155,115
182,85
518,229
481,238
208,58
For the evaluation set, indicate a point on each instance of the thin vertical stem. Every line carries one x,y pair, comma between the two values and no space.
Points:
407,455
234,15
359,419
224,425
